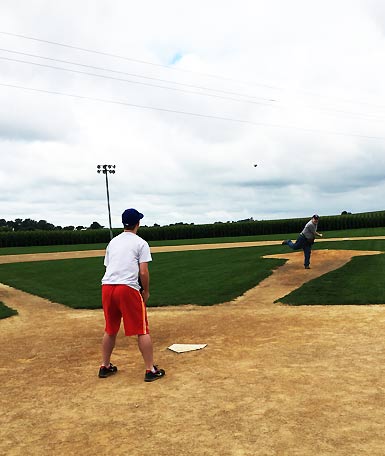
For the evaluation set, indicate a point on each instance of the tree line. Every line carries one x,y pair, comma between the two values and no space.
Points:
33,225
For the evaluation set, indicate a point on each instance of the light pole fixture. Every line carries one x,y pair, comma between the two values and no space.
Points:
107,169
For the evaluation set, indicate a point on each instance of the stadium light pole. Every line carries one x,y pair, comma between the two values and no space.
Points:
107,169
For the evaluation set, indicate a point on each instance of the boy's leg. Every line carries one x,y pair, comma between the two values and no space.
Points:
112,316
145,347
152,372
108,345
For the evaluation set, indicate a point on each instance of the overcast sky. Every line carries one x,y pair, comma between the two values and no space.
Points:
184,97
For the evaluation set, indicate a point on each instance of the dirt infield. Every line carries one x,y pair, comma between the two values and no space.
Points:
273,380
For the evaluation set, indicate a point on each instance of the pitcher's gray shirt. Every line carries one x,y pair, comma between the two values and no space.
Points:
309,230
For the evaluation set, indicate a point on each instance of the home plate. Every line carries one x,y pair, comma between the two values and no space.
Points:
182,348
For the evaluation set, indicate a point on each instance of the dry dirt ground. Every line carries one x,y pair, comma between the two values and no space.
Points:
273,379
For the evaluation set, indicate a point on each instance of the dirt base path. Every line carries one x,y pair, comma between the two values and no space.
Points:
273,380
167,248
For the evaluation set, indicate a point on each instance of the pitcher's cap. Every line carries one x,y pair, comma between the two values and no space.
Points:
131,217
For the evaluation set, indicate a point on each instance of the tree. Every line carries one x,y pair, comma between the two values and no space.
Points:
16,224
95,226
44,225
28,225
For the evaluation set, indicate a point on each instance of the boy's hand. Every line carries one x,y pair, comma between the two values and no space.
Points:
145,295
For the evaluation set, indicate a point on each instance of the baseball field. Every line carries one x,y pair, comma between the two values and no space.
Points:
273,380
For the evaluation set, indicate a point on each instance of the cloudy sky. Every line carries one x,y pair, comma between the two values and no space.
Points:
184,97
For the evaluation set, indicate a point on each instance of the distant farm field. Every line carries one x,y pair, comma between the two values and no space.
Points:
361,232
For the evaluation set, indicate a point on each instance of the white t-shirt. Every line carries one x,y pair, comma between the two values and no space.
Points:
123,255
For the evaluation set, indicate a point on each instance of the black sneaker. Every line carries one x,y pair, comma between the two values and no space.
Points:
107,371
151,376
307,267
284,242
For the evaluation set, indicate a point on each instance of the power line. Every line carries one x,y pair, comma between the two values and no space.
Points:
207,116
131,82
318,108
135,75
108,54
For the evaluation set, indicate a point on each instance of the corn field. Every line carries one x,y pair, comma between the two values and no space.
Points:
183,231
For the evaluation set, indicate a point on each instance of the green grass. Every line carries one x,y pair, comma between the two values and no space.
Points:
67,282
199,277
358,282
207,277
6,311
50,248
204,277
366,244
68,248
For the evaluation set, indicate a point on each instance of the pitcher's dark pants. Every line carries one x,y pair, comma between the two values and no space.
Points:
302,243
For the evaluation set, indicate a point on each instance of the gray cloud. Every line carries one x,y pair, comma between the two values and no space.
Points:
325,75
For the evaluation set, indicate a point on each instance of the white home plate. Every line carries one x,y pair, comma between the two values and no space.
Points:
182,348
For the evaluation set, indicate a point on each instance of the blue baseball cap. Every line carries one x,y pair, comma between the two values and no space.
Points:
131,217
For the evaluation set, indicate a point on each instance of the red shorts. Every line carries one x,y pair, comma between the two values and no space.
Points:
122,301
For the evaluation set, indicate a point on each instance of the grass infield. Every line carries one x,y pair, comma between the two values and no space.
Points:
205,277
358,282
6,311
194,277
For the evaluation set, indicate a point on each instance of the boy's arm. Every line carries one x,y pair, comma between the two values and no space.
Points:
145,280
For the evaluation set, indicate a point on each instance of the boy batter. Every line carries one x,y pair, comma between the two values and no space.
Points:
126,261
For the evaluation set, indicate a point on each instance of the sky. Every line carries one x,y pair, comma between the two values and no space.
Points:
185,98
